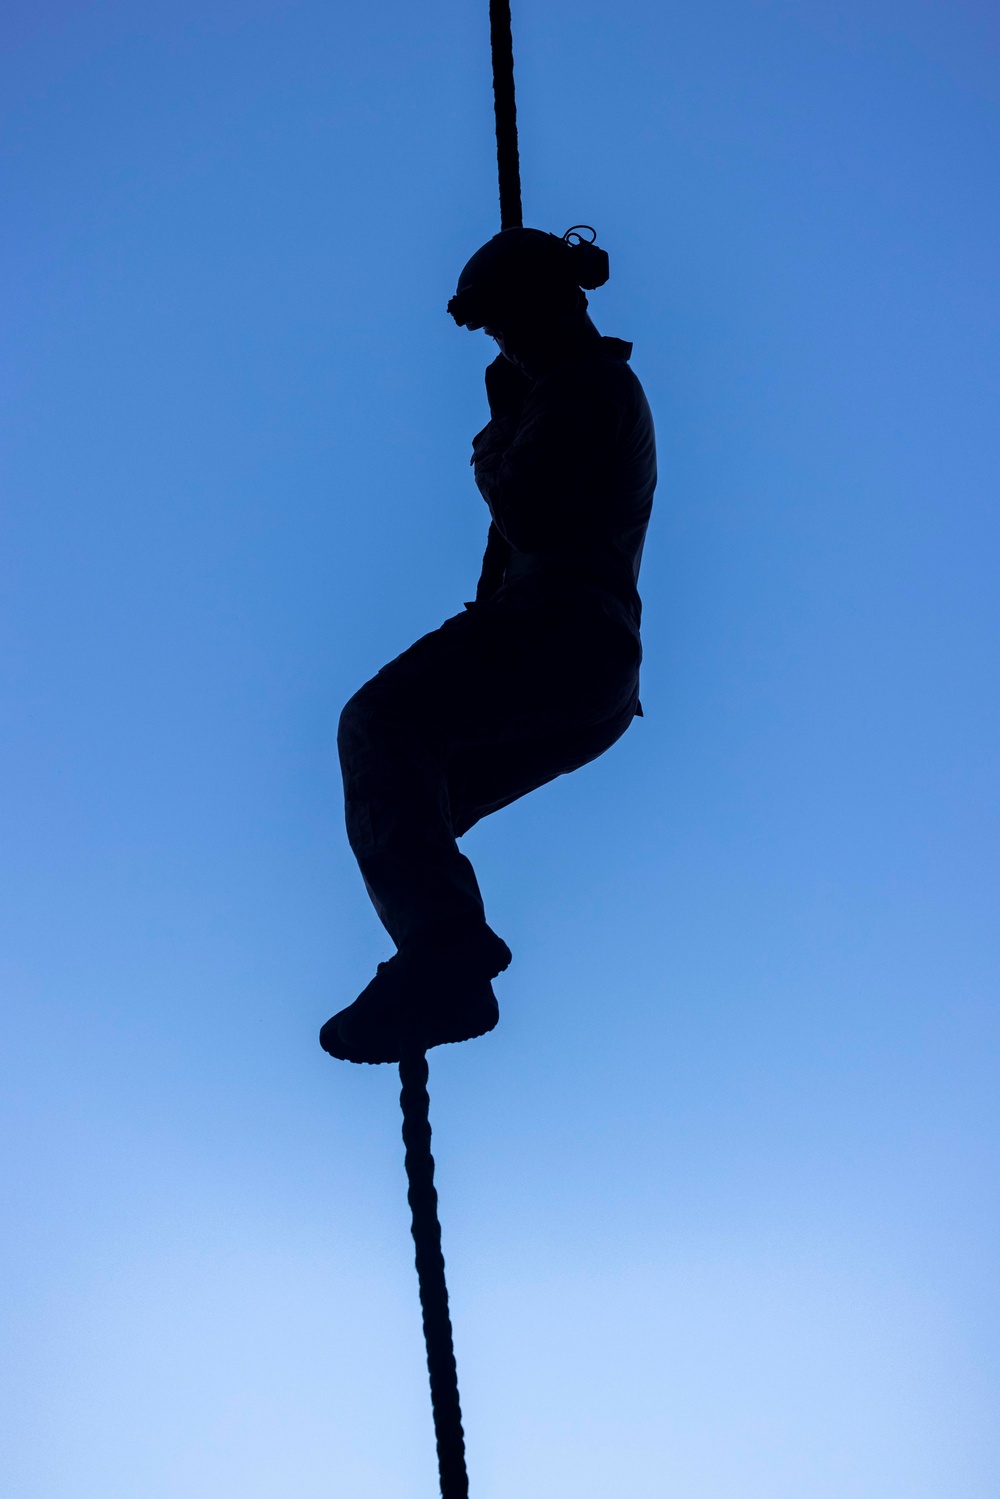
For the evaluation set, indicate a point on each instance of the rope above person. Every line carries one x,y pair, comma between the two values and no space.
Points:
505,111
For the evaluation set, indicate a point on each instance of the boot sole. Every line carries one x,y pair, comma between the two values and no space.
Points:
441,1030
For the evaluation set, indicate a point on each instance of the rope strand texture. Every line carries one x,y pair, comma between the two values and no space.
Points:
422,1197
508,162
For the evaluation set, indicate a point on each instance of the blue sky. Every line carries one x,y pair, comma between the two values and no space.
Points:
719,1194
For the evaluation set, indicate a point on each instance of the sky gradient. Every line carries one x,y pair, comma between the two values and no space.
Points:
719,1195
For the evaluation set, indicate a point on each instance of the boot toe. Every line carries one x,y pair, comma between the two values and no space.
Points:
353,1038
333,1042
369,1038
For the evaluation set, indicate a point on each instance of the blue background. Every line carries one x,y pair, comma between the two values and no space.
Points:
718,1196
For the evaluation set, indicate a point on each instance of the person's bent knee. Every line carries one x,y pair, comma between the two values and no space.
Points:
357,720
373,716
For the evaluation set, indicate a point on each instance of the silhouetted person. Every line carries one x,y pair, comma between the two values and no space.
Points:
538,676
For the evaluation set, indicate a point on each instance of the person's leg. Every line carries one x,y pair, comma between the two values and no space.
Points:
485,779
397,804
472,716
523,695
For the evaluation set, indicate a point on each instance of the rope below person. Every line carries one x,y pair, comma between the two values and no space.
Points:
422,1196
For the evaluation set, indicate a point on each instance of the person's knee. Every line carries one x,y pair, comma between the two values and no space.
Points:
373,718
357,721
352,712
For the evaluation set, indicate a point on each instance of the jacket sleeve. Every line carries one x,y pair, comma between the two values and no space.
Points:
543,474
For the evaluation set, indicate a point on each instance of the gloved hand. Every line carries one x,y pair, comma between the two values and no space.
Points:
506,387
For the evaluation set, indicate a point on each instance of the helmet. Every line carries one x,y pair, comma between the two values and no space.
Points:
518,265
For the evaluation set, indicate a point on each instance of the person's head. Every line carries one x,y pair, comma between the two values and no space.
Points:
525,288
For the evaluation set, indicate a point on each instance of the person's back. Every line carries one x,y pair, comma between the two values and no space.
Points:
538,676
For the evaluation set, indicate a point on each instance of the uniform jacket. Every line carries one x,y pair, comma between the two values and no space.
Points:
567,466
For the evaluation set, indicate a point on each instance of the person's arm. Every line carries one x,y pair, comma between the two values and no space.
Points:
506,390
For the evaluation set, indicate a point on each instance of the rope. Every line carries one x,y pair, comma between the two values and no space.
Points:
508,163
413,1098
422,1197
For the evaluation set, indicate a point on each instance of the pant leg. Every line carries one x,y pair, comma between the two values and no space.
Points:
497,701
486,778
398,813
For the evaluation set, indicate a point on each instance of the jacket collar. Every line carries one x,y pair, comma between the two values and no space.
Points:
616,348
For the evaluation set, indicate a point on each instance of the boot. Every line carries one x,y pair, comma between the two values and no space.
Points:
434,991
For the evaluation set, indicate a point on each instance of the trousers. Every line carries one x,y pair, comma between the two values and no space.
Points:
498,701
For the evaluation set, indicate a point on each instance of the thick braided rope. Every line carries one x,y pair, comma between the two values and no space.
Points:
422,1197
508,162
414,1099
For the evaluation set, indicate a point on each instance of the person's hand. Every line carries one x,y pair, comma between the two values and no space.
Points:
506,387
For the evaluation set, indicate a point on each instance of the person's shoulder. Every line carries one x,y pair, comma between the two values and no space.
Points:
604,364
606,368
609,359
614,355
586,392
